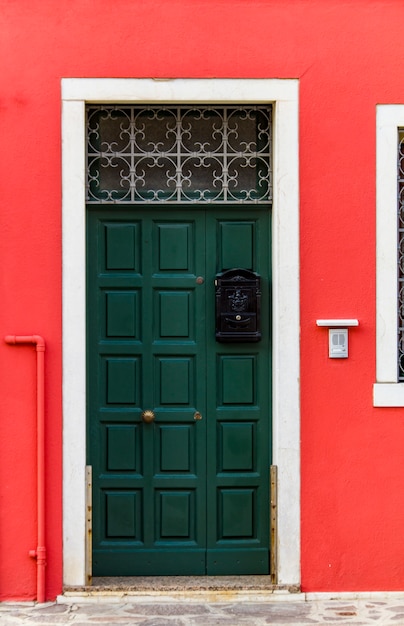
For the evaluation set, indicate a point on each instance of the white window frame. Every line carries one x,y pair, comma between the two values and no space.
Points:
285,315
387,391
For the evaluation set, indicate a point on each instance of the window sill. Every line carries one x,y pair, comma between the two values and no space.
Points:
388,394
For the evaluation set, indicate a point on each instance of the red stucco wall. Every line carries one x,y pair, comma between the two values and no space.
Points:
348,57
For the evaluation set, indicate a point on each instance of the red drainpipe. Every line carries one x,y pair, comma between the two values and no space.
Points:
40,552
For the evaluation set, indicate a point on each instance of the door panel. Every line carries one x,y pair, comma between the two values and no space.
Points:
178,495
236,240
238,405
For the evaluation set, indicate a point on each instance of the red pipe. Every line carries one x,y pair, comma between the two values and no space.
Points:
40,552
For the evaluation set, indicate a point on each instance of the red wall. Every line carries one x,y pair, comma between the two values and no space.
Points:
348,57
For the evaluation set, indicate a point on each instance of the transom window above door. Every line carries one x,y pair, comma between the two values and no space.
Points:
177,154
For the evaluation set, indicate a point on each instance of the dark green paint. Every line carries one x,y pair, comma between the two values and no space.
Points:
179,495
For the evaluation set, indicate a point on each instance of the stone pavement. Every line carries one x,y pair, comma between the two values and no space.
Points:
379,609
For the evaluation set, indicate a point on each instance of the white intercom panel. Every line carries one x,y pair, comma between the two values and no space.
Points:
338,343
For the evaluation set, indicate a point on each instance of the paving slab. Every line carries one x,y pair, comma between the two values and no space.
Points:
304,611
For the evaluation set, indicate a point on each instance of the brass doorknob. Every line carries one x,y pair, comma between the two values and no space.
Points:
148,416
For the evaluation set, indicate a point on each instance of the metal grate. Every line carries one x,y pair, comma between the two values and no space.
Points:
400,254
138,154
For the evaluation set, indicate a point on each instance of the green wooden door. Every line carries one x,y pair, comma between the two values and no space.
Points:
187,493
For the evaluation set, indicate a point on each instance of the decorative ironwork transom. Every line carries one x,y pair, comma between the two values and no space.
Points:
179,154
400,257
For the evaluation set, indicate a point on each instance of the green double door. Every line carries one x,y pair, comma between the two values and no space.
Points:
178,424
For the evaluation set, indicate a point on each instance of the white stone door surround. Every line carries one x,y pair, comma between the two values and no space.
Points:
283,94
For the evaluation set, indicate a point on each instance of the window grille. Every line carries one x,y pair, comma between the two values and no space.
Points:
138,154
400,256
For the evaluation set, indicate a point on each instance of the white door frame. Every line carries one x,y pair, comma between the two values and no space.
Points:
285,292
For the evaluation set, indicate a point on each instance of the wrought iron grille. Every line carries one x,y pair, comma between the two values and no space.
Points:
179,154
400,256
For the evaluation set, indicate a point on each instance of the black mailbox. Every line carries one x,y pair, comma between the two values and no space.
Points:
238,306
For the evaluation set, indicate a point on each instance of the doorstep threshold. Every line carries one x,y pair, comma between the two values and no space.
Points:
166,588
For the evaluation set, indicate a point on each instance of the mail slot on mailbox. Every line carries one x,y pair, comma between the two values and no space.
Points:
238,306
